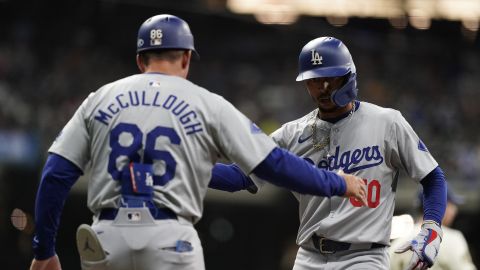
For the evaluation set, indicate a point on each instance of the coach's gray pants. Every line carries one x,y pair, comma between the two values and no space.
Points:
148,245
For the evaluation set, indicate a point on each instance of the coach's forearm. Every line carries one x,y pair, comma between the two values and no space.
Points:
229,178
284,169
58,177
434,195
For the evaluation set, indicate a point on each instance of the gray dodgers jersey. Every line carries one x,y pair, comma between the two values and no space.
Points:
179,127
373,143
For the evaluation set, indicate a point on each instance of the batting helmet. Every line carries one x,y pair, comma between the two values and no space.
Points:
164,32
329,57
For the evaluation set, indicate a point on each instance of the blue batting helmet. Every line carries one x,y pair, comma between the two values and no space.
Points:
329,57
164,32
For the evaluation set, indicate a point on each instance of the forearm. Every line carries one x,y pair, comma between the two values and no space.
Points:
58,177
434,195
229,178
284,169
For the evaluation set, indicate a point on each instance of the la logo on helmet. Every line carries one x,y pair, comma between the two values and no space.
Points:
316,58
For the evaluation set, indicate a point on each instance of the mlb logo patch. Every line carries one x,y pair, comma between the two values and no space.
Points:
422,147
154,83
156,42
134,216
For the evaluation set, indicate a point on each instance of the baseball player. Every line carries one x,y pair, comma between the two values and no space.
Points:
363,139
149,142
453,253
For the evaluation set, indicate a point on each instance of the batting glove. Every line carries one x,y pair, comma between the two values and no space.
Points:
425,246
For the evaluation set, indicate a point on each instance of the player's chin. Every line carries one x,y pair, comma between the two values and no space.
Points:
326,105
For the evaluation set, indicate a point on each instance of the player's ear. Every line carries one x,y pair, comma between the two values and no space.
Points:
186,57
140,64
185,62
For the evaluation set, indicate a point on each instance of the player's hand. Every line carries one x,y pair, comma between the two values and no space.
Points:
356,187
425,246
52,263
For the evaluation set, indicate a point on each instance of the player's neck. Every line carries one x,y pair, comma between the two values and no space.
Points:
166,67
336,113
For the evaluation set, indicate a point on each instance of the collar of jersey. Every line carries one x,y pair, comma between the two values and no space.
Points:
338,118
154,73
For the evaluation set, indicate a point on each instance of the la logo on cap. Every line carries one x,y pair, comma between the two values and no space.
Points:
316,58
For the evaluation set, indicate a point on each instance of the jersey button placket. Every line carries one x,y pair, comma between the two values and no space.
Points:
334,135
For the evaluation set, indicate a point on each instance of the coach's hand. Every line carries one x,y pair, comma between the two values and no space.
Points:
52,263
425,246
356,187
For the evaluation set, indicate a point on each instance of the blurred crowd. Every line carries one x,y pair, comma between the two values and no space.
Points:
430,76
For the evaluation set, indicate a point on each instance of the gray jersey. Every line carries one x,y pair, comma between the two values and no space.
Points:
180,128
373,143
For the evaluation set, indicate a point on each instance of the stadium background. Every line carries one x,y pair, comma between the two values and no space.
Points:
53,53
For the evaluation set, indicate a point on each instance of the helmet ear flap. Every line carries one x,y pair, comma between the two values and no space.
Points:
348,92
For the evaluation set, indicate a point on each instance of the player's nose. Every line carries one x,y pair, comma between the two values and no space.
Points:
322,84
323,87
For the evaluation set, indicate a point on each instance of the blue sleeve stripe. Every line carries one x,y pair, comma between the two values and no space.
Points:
434,195
284,169
58,176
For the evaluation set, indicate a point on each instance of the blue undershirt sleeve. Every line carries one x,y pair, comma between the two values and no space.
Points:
284,169
434,195
58,176
229,178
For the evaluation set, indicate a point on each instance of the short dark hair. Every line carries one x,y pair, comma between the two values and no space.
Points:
167,55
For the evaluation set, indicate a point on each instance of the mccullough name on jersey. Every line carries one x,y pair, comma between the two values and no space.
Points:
180,108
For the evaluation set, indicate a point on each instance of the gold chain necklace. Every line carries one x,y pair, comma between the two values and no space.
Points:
316,144
319,145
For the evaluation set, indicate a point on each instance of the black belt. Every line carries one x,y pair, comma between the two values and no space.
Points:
327,246
157,213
